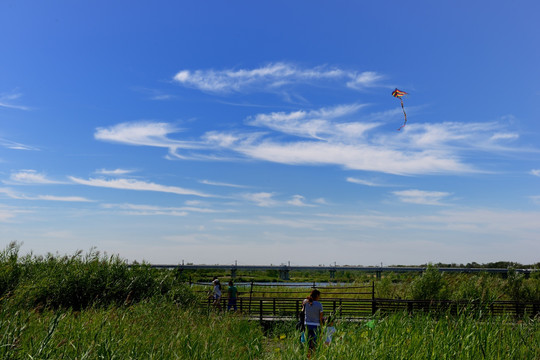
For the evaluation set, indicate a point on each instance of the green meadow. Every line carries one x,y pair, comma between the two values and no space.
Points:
94,306
163,330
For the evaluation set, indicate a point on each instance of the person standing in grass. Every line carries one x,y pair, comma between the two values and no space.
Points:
313,318
217,293
233,295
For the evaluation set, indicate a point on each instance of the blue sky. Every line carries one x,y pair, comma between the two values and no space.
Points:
265,132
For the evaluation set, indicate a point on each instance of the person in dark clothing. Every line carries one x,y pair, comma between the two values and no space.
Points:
313,310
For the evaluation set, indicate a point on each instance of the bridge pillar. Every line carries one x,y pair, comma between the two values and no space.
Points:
332,273
284,274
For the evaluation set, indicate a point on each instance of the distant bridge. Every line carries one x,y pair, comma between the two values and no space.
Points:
284,270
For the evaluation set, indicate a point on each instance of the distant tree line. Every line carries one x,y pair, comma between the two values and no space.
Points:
489,265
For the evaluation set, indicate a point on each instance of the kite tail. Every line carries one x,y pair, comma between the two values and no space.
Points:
404,114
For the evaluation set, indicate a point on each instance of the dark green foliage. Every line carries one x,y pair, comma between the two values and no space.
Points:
431,285
10,269
80,281
520,288
93,279
478,287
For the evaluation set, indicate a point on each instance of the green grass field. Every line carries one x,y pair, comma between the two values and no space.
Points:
163,330
98,307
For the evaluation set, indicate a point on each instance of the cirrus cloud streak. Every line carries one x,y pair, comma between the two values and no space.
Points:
131,184
271,77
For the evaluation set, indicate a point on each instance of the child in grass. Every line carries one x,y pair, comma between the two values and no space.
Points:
217,293
233,295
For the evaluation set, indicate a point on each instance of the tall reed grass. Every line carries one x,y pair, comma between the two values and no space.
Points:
400,336
159,329
83,280
146,330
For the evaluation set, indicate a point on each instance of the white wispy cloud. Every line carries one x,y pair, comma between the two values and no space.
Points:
31,177
299,200
61,198
266,199
535,199
145,133
9,193
217,183
455,136
363,182
288,221
6,215
321,137
131,184
7,100
9,213
421,197
426,148
270,77
154,94
535,172
298,223
114,171
364,80
141,209
16,195
15,145
355,157
504,136
316,124
320,201
146,210
263,199
358,153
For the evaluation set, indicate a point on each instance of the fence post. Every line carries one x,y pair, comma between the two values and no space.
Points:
373,303
250,295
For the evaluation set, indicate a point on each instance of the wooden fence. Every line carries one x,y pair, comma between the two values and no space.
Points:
355,303
354,309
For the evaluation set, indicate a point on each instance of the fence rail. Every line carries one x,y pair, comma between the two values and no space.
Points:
359,303
267,308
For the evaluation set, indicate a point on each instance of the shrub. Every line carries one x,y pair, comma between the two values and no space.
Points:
515,288
483,287
80,281
518,288
431,285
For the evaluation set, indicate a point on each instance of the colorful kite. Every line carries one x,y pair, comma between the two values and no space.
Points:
399,94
